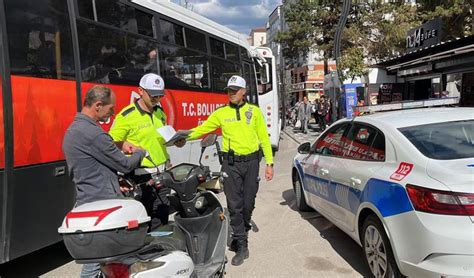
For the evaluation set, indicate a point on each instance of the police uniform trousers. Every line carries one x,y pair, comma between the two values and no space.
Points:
240,188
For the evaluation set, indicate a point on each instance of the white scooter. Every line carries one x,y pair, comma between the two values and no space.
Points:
114,232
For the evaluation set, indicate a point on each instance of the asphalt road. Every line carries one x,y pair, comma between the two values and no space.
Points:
284,243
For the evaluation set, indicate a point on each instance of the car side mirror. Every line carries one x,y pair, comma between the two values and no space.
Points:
304,148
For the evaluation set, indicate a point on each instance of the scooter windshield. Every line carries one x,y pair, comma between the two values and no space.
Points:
181,172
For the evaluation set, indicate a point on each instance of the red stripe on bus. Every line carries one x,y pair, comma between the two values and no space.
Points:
42,111
44,108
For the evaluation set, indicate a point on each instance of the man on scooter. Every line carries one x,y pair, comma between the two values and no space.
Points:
244,132
92,157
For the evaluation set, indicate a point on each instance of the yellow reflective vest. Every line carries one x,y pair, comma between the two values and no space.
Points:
138,127
243,129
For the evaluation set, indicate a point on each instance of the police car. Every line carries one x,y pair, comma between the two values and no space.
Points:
401,184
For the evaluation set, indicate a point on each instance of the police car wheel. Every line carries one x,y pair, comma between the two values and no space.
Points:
378,252
300,199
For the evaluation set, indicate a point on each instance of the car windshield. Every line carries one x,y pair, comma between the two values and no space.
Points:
444,141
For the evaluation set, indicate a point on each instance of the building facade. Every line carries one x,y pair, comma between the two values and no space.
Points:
258,36
432,68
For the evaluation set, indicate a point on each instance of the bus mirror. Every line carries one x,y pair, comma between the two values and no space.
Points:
265,74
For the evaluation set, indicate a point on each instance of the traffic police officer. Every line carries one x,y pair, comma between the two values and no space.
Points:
137,124
243,134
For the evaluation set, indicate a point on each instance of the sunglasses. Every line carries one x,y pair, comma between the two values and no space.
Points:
150,95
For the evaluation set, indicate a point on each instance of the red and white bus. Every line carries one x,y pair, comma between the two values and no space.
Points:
53,51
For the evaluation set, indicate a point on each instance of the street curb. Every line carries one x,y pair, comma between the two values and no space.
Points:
293,138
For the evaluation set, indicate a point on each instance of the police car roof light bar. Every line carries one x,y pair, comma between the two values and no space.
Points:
369,109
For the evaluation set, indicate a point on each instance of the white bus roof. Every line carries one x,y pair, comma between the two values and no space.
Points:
191,18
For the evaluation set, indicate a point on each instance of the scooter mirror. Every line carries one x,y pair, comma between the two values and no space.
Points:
208,140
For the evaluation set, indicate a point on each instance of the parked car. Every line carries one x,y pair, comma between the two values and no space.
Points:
401,184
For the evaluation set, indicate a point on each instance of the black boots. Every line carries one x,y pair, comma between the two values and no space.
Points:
242,252
233,246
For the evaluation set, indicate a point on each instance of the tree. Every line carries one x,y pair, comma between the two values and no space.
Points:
375,30
352,63
381,28
311,27
299,37
457,16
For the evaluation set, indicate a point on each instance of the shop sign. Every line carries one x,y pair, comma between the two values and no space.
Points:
426,35
298,86
318,86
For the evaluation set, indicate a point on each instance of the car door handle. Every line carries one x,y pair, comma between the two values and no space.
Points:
355,181
324,171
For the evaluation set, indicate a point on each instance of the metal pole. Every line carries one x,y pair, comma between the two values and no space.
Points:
333,99
346,7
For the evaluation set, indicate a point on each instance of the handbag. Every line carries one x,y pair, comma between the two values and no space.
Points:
298,124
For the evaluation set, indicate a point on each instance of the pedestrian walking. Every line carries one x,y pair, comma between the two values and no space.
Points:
243,133
314,111
323,110
92,157
304,114
137,123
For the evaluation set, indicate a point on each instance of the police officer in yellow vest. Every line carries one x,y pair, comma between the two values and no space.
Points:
244,132
137,124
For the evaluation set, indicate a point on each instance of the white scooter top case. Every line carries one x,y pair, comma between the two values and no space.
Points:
104,215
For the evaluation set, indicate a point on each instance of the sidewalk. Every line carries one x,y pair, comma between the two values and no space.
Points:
299,137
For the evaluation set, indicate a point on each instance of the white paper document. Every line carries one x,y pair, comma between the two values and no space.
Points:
171,136
167,132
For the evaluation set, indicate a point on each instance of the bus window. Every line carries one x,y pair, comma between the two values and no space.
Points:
232,52
170,32
112,56
253,86
144,23
184,69
196,40
39,39
246,74
2,134
221,72
217,47
117,14
86,9
244,53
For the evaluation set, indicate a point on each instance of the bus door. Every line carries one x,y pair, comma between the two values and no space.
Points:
2,138
268,99
43,104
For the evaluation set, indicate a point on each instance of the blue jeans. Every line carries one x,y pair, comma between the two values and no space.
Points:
91,271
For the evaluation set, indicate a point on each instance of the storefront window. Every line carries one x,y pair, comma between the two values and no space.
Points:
467,91
453,85
436,87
